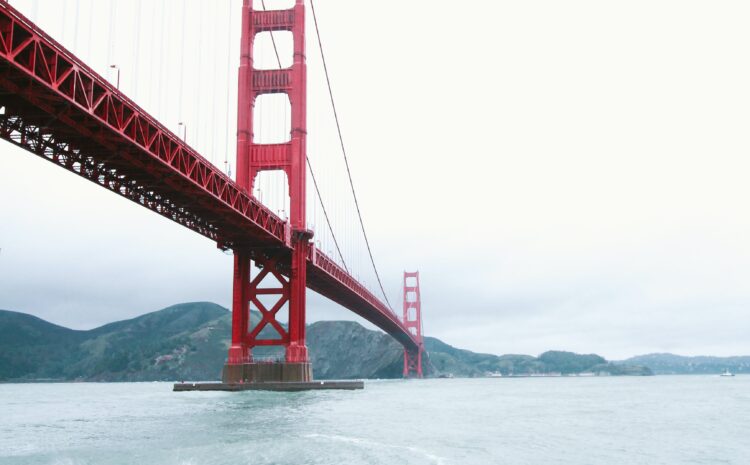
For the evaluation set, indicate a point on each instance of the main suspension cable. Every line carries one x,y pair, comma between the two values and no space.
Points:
343,150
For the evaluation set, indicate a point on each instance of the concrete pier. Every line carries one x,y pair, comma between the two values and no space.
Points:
290,386
268,376
267,372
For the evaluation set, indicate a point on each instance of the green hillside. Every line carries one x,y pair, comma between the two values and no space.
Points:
670,364
190,341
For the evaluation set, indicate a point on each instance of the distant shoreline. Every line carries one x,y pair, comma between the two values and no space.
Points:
190,341
170,382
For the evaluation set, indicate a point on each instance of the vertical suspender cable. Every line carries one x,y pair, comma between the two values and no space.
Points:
75,27
214,83
182,69
137,27
64,21
199,88
110,31
343,150
229,72
325,213
162,60
91,26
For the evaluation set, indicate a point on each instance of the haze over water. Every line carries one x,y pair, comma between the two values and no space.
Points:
652,420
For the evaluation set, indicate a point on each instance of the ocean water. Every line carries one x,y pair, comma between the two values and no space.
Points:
652,420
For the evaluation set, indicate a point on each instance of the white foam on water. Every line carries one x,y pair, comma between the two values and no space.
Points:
375,444
67,461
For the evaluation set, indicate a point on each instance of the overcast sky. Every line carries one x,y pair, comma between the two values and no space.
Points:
564,175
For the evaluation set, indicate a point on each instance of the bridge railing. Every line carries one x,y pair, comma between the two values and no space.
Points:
383,316
329,265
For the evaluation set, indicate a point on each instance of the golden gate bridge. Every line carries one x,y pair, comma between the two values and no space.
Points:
55,106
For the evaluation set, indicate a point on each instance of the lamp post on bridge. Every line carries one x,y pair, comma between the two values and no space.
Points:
184,130
115,67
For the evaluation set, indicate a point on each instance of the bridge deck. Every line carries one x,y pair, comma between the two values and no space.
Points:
53,105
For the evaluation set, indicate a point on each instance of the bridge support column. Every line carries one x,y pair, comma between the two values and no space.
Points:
413,363
242,366
253,157
296,351
238,351
413,322
239,354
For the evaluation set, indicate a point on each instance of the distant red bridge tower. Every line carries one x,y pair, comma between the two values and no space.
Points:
413,322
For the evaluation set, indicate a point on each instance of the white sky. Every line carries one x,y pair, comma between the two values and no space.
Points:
564,175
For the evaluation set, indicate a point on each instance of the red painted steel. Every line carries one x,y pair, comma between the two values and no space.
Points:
253,158
58,108
413,323
53,105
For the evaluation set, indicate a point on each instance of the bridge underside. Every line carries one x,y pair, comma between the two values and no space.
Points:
36,119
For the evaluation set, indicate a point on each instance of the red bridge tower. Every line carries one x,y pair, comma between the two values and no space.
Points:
413,323
277,262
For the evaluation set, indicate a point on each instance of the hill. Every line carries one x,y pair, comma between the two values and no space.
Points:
177,341
670,364
190,341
